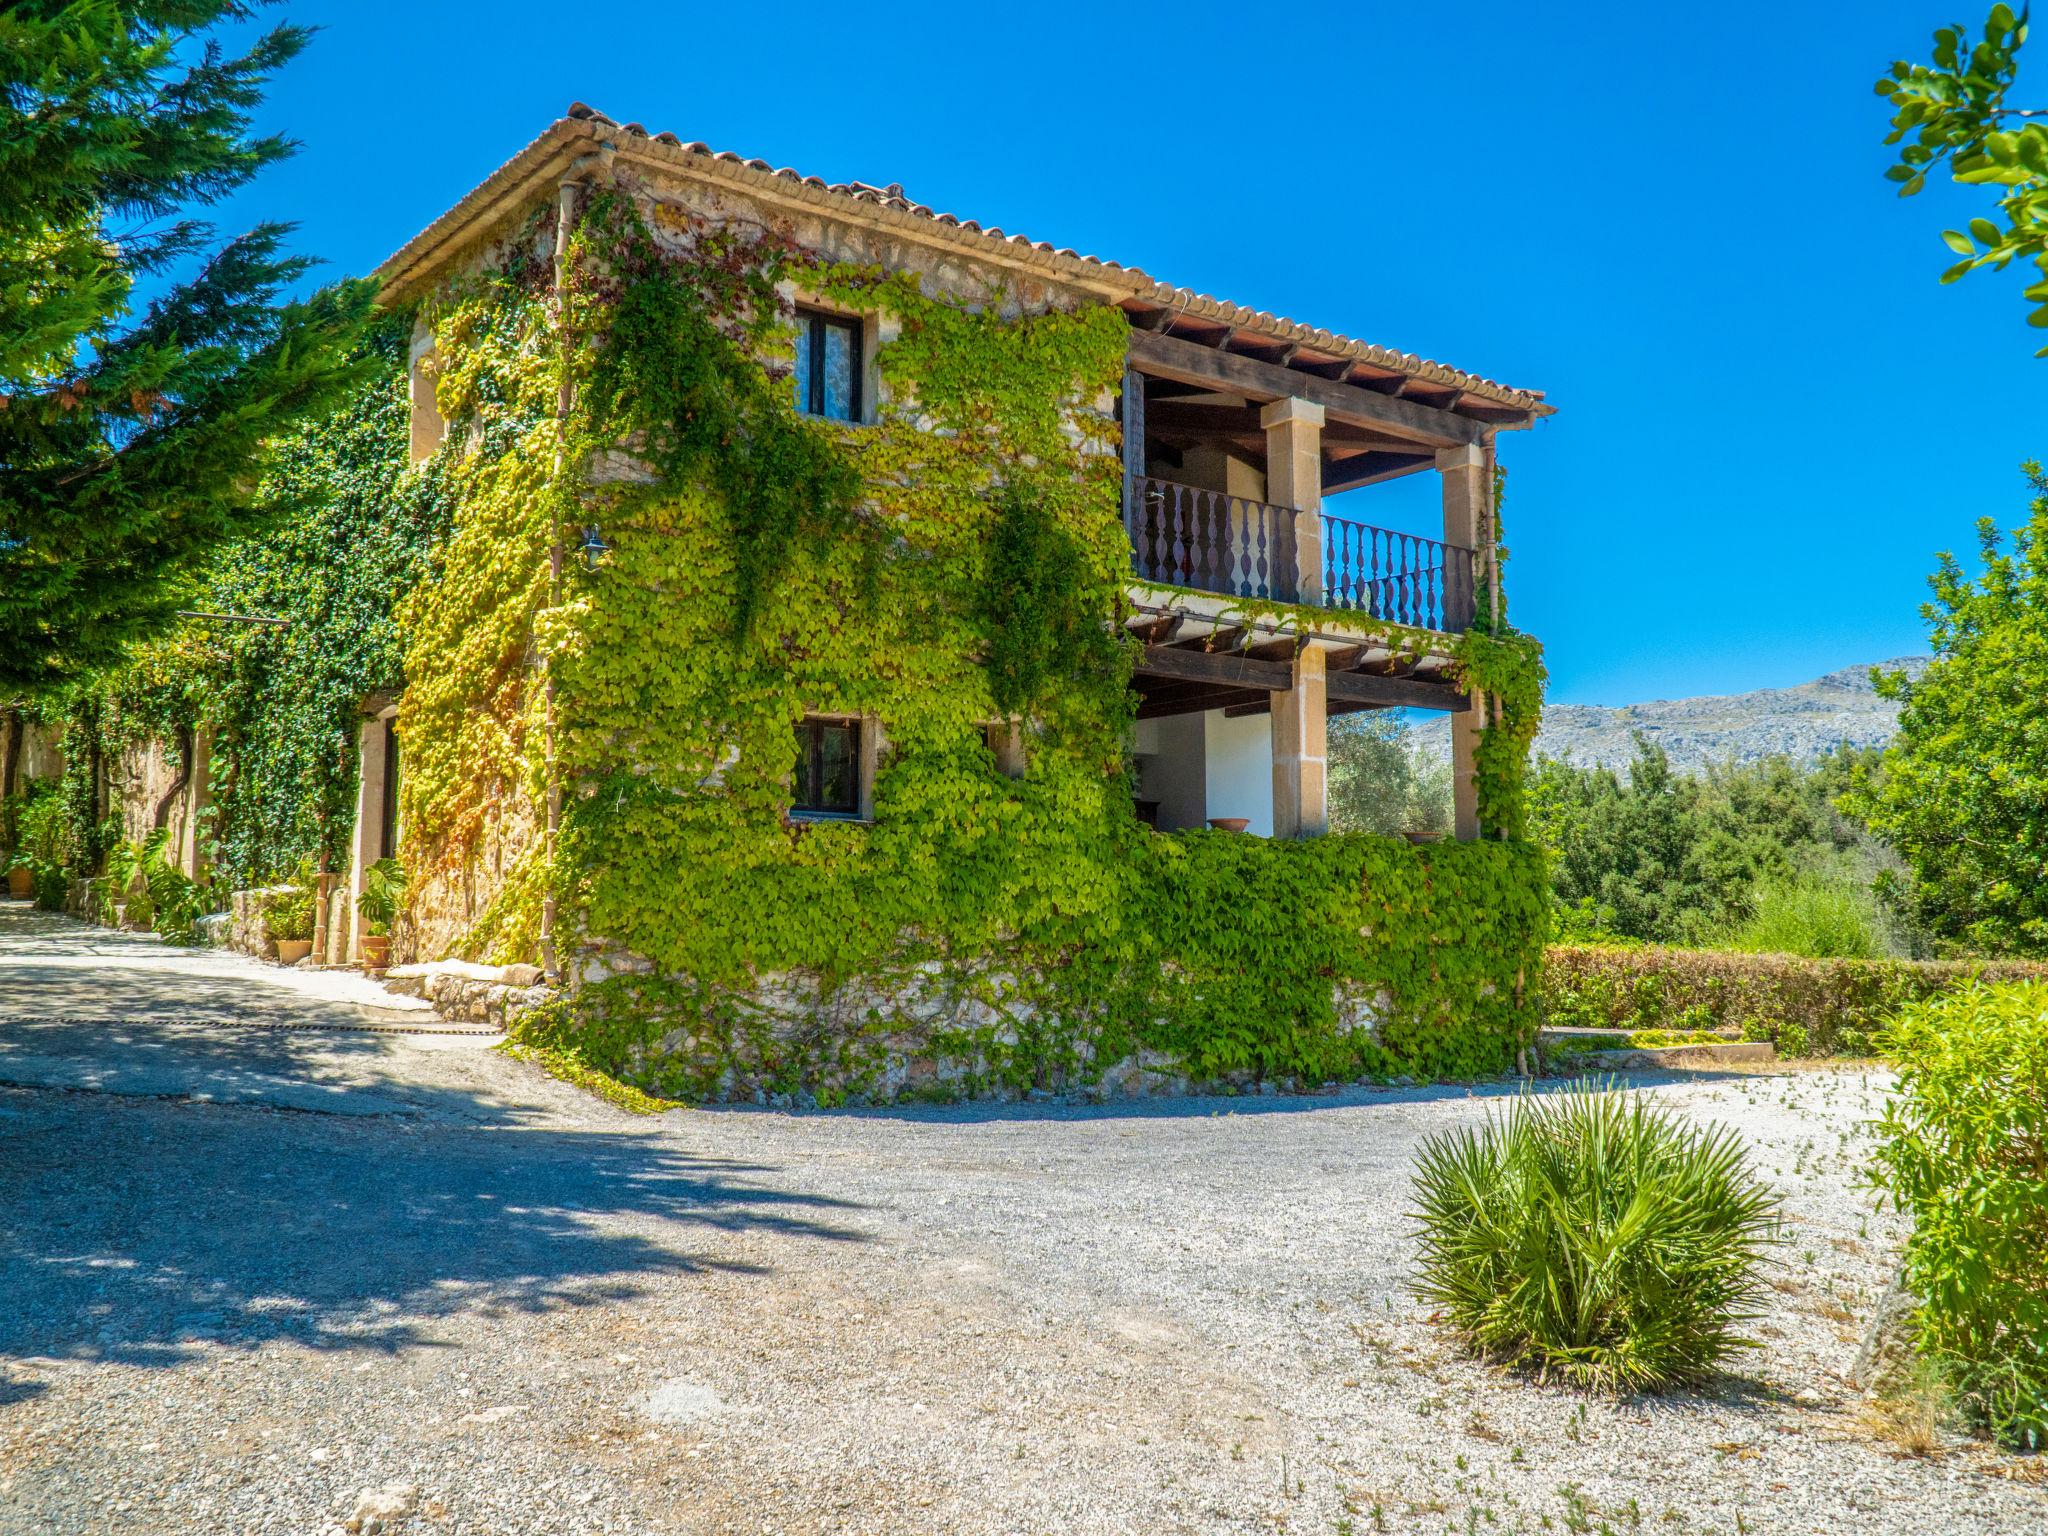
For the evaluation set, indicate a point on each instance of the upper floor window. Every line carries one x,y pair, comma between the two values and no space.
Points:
828,365
828,768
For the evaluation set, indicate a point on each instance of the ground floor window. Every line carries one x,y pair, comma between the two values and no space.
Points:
827,781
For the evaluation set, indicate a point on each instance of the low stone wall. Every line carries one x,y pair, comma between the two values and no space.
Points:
464,993
241,927
790,1040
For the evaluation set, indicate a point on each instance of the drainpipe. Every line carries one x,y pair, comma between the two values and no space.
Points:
567,197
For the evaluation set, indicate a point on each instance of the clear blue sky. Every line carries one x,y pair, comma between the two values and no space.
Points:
1672,219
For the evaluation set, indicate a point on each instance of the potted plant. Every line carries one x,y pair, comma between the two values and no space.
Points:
383,887
21,877
288,919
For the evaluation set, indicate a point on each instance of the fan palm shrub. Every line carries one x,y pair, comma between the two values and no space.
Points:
1595,1237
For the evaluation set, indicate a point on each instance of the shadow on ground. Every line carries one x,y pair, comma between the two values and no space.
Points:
132,1229
1202,1106
54,966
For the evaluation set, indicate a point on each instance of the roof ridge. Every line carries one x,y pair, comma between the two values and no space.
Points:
1143,287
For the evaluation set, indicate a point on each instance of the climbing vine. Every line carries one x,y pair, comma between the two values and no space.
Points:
953,562
346,531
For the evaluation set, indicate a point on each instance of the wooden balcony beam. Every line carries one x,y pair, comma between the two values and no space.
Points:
1222,669
1396,692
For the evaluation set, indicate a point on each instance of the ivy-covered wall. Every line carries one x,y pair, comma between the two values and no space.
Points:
347,531
955,562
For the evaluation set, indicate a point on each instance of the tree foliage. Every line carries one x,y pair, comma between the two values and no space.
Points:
1953,114
1668,858
1964,794
132,432
1382,779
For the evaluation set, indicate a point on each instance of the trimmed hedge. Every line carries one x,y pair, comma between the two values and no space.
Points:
1805,1007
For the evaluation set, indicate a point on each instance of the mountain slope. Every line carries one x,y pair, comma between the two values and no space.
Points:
1800,722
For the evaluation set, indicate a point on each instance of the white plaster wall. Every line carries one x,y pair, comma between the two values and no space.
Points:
1171,762
1239,758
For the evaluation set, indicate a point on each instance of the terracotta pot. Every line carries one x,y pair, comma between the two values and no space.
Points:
292,951
1230,823
21,882
376,951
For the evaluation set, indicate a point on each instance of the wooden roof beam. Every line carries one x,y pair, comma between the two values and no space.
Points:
1173,358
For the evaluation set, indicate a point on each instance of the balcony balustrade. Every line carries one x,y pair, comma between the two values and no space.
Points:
1211,541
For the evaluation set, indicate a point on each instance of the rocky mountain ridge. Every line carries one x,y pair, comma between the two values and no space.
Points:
1802,722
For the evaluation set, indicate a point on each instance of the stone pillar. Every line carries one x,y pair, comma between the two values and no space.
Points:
427,427
1465,727
198,801
323,916
1468,499
1294,478
1301,749
1006,741
1468,521
368,842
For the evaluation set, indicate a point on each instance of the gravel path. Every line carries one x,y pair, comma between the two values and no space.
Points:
499,1306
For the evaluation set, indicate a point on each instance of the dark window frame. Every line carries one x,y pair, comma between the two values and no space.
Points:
818,322
810,768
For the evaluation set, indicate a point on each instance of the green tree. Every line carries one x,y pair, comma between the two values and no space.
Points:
132,434
1952,115
1964,795
1678,859
1383,780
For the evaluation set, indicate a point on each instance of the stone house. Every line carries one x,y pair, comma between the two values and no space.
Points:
1247,609
1253,610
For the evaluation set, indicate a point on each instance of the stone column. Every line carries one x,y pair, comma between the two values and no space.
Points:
1294,478
1301,749
1468,519
368,842
1006,741
427,427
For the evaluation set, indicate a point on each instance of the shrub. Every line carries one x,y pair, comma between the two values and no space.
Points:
1819,916
52,886
383,891
175,897
40,840
1822,1007
1594,1236
1965,1151
289,916
42,835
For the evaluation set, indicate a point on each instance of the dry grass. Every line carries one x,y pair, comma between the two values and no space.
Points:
1913,1413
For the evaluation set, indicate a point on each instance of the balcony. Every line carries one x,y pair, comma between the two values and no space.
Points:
1211,541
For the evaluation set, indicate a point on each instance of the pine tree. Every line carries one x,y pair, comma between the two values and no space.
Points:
131,442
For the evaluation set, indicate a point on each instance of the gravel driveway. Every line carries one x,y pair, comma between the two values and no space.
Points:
254,1274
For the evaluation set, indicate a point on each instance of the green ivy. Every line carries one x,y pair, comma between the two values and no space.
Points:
958,561
351,529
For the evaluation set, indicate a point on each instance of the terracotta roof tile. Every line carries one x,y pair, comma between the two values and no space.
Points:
1142,289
